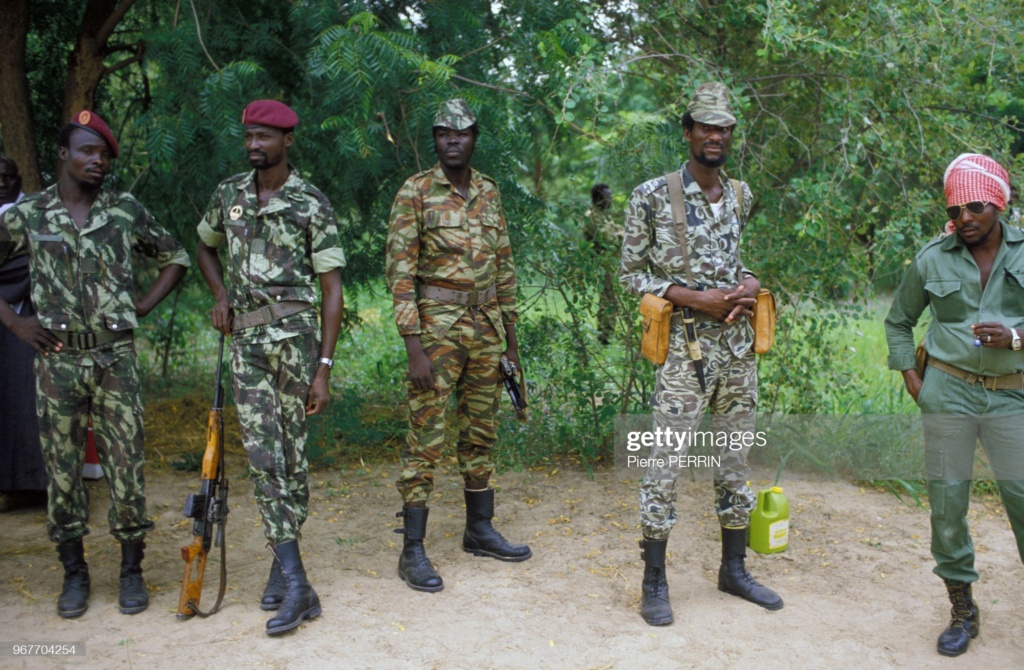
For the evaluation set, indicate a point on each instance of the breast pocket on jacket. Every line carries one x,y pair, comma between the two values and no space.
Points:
947,299
1013,293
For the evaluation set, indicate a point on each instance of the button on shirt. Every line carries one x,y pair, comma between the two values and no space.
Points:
944,278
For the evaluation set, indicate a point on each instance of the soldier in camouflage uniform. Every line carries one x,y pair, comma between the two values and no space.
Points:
280,237
450,271
653,262
80,239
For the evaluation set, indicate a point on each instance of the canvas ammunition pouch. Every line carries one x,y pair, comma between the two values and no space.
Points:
657,321
764,321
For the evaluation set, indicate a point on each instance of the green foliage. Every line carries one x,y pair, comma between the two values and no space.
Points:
848,114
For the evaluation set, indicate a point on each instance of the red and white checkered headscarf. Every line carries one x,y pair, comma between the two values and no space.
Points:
975,177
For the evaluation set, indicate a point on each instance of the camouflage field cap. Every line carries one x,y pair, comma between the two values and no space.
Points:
710,104
455,114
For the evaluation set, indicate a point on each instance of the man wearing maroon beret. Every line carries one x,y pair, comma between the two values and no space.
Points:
80,239
280,237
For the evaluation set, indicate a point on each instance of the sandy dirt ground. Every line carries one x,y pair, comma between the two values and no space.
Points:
856,579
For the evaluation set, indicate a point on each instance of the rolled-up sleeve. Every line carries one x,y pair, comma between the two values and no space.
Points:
326,241
154,241
211,228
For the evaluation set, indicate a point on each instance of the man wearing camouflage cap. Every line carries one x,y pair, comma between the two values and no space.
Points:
80,238
450,272
280,237
703,272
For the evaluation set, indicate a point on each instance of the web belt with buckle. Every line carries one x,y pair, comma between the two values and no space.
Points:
82,340
468,298
268,314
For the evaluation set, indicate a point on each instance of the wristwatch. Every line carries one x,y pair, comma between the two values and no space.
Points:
1015,343
329,362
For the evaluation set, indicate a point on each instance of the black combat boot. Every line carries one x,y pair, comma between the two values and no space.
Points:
300,600
74,594
733,576
480,537
134,598
655,607
276,588
414,567
966,622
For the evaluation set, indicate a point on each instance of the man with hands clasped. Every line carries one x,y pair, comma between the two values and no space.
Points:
702,271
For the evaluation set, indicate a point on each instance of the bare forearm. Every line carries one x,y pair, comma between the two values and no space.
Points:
332,309
169,277
212,270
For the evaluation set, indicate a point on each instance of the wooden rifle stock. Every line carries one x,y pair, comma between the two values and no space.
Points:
209,509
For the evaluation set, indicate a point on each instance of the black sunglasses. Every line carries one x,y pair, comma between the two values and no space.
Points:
976,208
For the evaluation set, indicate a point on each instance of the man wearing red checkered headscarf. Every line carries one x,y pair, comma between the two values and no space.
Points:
972,282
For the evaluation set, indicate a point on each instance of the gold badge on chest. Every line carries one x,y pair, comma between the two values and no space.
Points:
235,213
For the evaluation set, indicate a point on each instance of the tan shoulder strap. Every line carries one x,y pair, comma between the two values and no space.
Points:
737,186
675,200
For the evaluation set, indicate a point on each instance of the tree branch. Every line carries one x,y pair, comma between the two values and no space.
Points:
115,17
199,34
139,51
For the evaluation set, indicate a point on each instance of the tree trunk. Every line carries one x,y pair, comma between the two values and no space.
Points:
85,62
15,103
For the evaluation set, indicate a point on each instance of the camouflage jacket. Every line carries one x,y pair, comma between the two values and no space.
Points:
275,253
83,281
652,259
437,237
601,230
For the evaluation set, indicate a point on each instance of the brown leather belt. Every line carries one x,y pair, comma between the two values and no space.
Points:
268,314
82,340
468,298
1010,382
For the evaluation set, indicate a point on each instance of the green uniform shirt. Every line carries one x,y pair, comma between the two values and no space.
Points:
274,253
944,277
83,281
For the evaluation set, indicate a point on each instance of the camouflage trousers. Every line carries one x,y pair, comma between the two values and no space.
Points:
678,404
271,383
71,387
466,361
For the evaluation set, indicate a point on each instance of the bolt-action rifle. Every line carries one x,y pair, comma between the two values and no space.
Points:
208,509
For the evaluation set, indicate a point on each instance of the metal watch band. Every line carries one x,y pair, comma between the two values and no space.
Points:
329,362
1015,342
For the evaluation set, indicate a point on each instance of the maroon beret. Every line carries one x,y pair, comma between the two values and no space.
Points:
269,113
92,122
